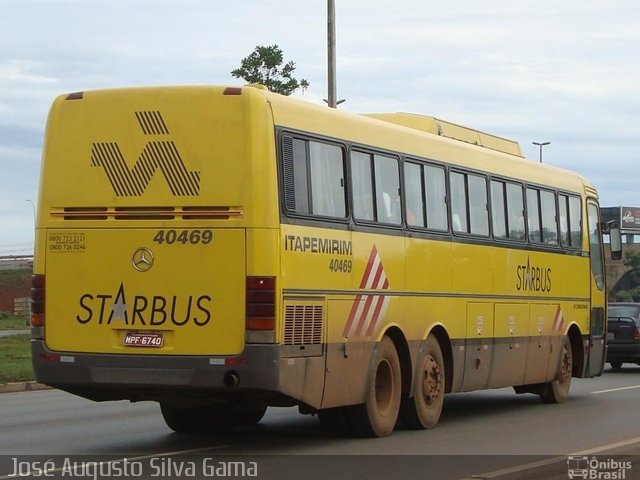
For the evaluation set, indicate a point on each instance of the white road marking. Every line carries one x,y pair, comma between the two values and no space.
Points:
616,389
609,446
516,469
552,460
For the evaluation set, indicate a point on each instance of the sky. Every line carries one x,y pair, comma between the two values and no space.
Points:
565,72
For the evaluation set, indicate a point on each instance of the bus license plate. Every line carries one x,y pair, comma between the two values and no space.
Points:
142,339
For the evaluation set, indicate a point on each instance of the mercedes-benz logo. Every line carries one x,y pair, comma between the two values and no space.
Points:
142,259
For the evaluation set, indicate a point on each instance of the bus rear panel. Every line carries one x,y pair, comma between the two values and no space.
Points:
144,279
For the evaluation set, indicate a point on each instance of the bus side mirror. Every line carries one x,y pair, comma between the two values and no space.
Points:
615,239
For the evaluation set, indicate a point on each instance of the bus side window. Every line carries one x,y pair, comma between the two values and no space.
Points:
533,216
498,210
414,195
457,225
387,182
458,202
549,218
435,200
515,212
314,174
326,171
477,201
575,223
362,186
387,205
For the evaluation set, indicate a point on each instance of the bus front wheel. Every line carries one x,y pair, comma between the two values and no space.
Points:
557,391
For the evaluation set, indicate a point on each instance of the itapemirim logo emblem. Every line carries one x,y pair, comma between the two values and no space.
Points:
160,155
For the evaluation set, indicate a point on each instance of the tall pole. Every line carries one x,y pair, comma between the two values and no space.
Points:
331,52
34,210
541,144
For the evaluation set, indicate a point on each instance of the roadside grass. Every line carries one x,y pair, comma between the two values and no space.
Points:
13,322
15,359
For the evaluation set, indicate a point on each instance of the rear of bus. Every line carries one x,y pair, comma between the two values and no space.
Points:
145,285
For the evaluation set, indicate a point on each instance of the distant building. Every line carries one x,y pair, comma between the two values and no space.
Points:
629,220
15,281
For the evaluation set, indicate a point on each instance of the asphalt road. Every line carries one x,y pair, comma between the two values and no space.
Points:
489,434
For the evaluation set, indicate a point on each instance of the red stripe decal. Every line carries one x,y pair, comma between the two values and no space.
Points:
367,311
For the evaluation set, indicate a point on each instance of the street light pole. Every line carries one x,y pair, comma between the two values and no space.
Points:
541,144
34,210
331,52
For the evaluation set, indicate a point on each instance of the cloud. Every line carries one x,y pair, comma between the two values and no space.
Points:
542,70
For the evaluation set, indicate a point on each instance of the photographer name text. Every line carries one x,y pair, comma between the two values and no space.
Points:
158,467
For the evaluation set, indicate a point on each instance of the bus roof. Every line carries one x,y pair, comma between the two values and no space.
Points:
443,128
413,136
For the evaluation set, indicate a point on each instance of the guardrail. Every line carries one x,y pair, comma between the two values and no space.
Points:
15,257
15,262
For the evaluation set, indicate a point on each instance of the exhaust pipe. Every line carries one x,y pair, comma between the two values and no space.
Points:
231,379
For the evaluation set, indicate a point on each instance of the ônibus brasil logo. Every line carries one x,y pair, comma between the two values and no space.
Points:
586,467
162,155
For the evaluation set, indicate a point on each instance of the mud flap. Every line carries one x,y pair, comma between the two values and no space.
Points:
597,347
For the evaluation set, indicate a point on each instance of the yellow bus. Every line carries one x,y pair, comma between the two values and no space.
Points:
220,250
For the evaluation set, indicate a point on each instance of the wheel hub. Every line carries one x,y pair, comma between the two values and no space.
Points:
431,380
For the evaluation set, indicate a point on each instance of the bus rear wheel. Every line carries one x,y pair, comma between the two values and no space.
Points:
424,408
335,421
210,418
557,391
378,415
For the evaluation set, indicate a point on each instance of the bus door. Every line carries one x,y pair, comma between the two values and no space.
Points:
597,327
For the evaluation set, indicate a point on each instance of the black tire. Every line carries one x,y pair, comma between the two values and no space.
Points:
557,391
210,418
616,365
249,414
184,419
335,421
424,408
378,415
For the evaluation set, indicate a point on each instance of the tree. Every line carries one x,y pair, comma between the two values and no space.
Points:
263,66
628,287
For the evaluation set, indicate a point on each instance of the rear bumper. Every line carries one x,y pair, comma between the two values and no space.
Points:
620,352
155,377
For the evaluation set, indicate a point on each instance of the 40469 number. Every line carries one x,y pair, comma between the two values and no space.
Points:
183,237
340,266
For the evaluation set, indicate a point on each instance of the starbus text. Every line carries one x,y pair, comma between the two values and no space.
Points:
533,278
153,310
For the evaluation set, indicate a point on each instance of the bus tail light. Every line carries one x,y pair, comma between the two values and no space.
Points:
37,300
232,91
261,303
